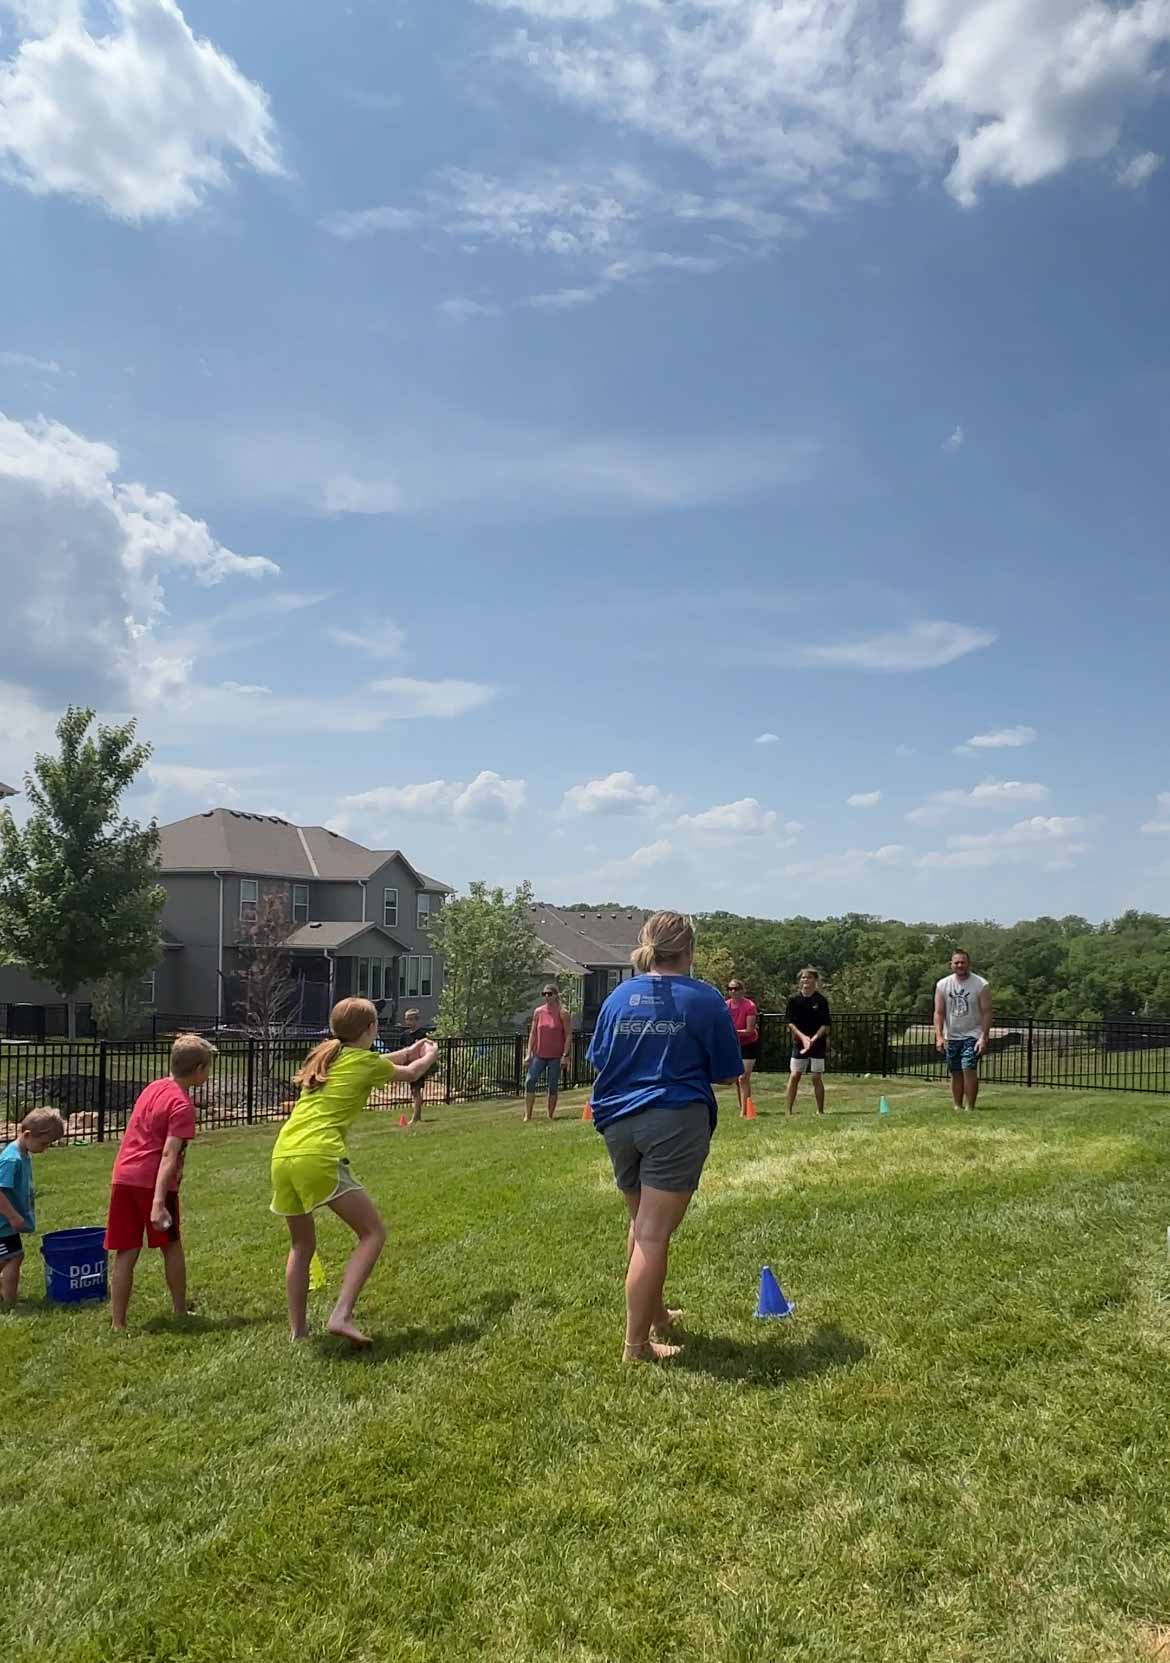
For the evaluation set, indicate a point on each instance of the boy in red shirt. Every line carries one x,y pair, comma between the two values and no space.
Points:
145,1193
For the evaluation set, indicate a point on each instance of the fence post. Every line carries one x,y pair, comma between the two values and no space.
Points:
250,1090
1028,1081
885,1045
518,1064
450,1044
101,1092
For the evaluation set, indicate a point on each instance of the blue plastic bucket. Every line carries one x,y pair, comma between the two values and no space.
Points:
75,1265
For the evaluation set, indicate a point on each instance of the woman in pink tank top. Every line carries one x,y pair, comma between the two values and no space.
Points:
549,1039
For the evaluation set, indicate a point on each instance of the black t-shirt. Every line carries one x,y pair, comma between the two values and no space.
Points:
411,1036
807,1015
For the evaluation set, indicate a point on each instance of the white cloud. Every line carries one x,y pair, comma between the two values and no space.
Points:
1025,840
381,639
461,309
487,797
926,645
817,99
620,793
84,560
744,818
245,689
210,785
366,222
954,440
1002,739
1160,826
139,120
605,227
25,361
846,864
1132,175
404,697
987,794
768,739
643,859
864,799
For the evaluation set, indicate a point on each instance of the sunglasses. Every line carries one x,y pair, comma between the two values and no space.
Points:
551,993
735,987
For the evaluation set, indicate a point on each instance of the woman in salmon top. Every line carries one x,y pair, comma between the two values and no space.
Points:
550,1037
746,1019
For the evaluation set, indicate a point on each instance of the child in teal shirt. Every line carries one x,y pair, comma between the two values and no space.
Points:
18,1200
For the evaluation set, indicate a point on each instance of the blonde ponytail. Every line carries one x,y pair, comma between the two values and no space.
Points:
349,1020
665,938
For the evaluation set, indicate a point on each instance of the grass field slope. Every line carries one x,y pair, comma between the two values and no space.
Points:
955,1452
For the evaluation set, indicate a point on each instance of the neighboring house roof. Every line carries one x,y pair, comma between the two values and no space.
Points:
331,938
264,845
6,790
587,940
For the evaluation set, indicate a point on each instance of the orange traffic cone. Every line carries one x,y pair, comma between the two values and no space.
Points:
402,1120
749,1112
587,1111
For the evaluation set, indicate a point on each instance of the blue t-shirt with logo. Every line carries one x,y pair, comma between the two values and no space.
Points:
16,1181
659,1043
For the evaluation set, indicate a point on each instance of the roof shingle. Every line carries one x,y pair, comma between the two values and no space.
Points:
264,845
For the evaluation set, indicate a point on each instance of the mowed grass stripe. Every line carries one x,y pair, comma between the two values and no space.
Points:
954,1450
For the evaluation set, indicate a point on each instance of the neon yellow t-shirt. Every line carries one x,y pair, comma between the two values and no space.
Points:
318,1124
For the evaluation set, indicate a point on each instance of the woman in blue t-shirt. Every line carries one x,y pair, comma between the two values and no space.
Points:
662,1041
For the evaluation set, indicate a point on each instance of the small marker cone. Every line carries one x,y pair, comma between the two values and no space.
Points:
883,1107
749,1110
402,1120
587,1111
316,1273
772,1302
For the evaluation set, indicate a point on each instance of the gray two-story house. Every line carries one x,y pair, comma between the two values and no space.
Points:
359,918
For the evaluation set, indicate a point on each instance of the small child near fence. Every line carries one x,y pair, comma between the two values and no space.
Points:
144,1194
413,1029
18,1200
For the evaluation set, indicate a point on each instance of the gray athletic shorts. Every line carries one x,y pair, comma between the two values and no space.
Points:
664,1149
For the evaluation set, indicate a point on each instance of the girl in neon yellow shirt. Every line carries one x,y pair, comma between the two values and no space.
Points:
310,1165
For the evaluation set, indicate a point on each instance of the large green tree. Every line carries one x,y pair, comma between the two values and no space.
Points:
80,898
491,958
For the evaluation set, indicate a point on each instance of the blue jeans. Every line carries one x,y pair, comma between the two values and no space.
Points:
962,1057
543,1069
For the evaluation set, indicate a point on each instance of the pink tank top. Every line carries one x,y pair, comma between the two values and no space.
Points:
550,1034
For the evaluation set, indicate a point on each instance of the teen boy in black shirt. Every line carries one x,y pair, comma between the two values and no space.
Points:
808,1021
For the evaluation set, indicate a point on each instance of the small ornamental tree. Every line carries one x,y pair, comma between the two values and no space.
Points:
491,957
80,898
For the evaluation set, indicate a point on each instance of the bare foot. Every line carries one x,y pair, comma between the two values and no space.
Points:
345,1329
652,1352
299,1334
667,1323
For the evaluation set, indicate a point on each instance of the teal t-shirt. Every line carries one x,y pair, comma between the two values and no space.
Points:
16,1180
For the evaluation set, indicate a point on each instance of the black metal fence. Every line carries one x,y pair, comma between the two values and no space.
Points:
43,1021
94,1083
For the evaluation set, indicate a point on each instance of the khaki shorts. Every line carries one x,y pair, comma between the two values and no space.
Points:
806,1065
660,1148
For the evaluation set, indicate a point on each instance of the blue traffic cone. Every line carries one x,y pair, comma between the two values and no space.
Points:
883,1107
772,1301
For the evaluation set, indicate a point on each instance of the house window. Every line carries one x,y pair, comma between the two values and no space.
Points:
415,975
375,978
147,987
426,905
249,900
300,906
363,978
390,909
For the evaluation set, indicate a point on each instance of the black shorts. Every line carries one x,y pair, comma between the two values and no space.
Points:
750,1051
11,1247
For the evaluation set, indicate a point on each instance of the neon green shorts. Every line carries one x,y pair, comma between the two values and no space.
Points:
302,1183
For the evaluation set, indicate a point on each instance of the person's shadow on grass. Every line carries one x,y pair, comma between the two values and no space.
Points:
195,1324
416,1341
772,1360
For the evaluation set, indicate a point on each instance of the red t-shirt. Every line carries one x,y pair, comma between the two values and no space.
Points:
739,1016
162,1111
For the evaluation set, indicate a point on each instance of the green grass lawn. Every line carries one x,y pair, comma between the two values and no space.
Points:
956,1450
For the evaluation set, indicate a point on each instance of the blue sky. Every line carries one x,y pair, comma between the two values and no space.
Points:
709,453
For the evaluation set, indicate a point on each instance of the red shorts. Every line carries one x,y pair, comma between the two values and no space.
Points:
129,1218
